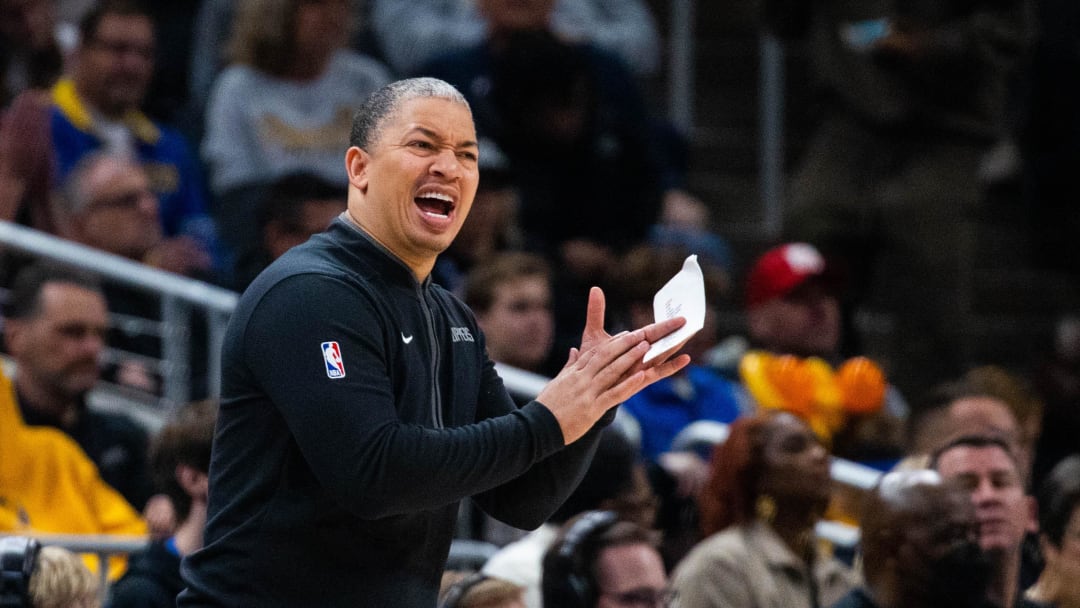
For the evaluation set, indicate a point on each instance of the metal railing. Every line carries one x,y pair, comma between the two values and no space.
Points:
179,296
682,89
103,546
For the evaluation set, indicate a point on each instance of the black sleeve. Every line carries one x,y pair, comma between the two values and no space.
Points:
349,430
527,501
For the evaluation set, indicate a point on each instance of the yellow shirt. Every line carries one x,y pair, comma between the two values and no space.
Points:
49,485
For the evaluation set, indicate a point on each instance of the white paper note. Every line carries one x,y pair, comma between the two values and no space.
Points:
682,296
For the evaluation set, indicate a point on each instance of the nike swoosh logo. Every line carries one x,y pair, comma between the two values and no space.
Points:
406,339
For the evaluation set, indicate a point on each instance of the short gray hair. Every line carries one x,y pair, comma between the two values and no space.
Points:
74,196
385,102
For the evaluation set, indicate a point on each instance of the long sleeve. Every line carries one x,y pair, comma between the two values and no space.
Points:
365,447
230,148
527,501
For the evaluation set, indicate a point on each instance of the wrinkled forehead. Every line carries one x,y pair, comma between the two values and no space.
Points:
428,111
443,122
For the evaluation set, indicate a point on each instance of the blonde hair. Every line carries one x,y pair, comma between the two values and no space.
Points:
61,580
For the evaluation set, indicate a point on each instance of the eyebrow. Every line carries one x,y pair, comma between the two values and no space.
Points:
433,135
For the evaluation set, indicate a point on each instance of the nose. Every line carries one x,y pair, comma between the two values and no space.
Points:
92,343
984,492
446,164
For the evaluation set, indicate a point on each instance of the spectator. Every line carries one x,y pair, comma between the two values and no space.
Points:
283,105
1025,404
55,332
791,303
988,469
768,486
599,561
45,577
180,460
48,484
793,318
1059,536
61,580
510,293
96,107
952,409
476,590
108,204
914,98
296,207
615,481
412,34
919,546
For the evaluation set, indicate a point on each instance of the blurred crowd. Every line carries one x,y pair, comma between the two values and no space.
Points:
207,138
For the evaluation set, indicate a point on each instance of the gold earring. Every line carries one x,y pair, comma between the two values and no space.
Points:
765,508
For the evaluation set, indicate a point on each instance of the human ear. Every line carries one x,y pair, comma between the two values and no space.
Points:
1031,525
14,332
357,162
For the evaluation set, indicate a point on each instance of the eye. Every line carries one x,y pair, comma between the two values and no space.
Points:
968,482
420,144
468,156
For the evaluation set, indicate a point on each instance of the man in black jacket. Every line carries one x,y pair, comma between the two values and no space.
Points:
359,406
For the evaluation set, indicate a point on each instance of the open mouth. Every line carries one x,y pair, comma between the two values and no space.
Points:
435,204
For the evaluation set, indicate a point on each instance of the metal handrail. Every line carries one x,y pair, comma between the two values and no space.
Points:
179,296
102,546
681,65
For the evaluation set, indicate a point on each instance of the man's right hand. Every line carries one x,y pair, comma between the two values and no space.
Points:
606,371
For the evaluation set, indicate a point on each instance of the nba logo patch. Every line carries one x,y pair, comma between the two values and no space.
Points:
335,367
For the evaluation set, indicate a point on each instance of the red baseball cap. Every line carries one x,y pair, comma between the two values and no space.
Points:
782,269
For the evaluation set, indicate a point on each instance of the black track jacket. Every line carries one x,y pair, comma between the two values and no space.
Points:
359,407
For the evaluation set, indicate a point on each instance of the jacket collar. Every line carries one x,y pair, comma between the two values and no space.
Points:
74,109
772,547
357,241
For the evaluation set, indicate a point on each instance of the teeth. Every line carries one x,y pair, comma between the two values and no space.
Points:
437,196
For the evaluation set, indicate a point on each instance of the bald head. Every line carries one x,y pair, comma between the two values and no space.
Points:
920,546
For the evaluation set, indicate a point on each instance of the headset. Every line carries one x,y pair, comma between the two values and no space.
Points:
18,556
568,579
456,592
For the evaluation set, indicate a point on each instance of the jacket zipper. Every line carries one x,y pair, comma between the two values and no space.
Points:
436,396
